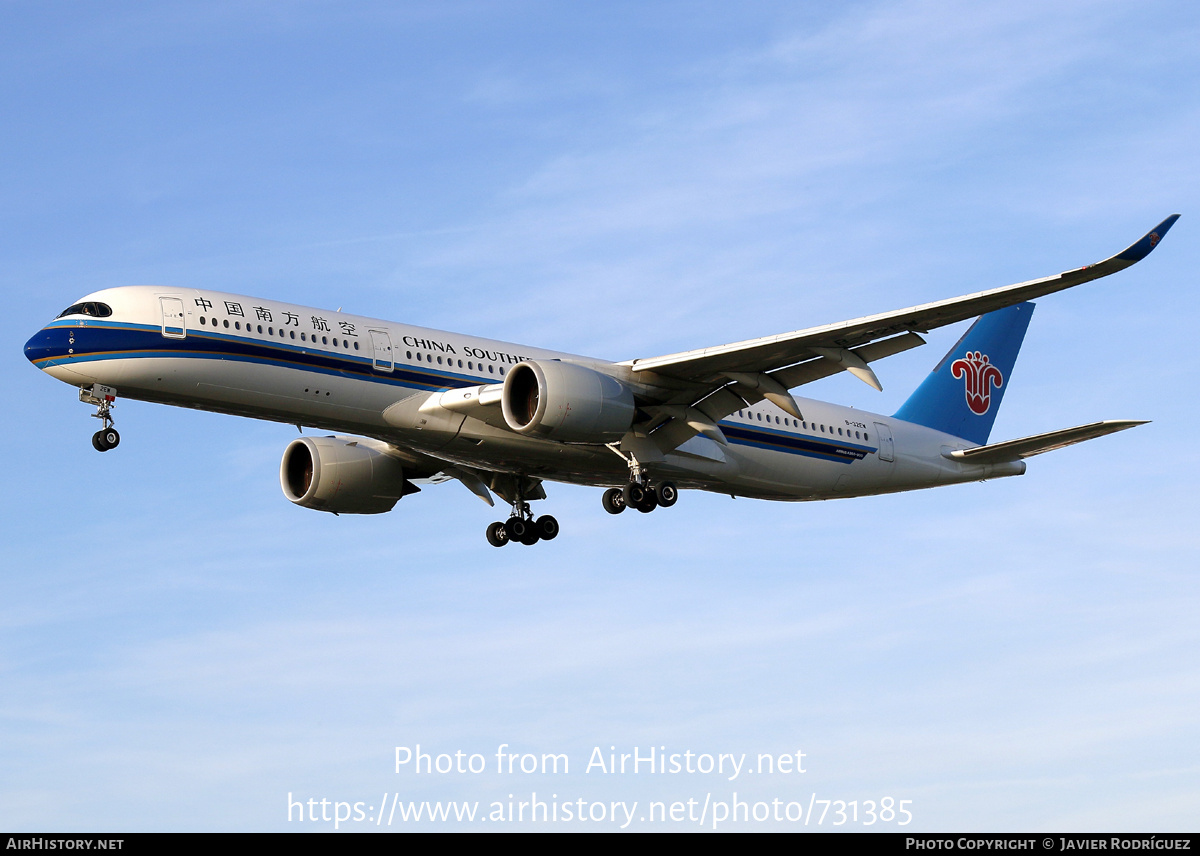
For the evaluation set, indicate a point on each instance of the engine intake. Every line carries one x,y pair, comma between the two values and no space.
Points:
566,402
344,476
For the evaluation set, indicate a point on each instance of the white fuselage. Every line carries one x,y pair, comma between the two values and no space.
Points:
339,372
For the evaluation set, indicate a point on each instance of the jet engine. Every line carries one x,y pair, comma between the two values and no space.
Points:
566,402
341,474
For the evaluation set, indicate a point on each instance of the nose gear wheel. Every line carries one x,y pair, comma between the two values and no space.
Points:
105,439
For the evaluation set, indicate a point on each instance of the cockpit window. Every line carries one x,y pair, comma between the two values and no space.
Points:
96,310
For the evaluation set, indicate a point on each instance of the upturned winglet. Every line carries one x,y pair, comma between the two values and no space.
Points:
1142,248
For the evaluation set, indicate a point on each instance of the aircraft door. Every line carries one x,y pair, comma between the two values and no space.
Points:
381,345
174,325
887,447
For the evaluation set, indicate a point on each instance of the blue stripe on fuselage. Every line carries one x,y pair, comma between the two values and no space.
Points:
100,340
109,341
781,441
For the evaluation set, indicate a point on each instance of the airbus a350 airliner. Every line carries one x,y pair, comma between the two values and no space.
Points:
427,406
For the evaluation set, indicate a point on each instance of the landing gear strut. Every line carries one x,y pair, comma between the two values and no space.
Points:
521,526
105,398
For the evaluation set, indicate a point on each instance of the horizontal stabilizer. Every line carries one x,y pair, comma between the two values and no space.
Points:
1027,447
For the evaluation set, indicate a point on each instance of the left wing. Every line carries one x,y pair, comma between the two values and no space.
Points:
835,342
699,388
685,394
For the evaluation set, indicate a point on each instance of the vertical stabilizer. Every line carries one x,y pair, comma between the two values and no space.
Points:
963,392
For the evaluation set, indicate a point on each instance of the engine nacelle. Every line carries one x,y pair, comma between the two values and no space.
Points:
566,402
342,475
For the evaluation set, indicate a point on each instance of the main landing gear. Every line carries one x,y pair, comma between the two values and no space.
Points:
105,398
639,493
644,497
521,526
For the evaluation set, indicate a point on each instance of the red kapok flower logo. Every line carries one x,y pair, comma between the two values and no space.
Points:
980,375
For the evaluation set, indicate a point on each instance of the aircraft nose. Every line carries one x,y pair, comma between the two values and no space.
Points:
39,346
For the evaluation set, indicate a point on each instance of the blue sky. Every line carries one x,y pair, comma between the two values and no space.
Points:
180,648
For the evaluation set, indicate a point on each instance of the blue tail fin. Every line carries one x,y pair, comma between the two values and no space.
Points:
963,393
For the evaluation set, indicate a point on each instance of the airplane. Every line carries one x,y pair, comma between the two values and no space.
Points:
423,406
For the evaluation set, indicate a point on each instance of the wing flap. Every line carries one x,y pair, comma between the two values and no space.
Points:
807,372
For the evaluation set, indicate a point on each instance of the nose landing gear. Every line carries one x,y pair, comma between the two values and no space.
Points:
105,398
